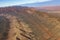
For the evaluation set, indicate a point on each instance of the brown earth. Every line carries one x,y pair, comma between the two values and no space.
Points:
20,23
50,8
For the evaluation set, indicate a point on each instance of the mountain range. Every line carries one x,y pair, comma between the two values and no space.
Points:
26,23
34,21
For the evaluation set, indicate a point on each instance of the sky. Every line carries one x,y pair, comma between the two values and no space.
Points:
4,3
44,3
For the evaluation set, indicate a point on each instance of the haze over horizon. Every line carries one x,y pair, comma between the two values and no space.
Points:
4,3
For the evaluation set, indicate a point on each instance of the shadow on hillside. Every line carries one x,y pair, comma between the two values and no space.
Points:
4,28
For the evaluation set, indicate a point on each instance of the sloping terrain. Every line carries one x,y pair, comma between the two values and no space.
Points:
49,9
52,8
22,23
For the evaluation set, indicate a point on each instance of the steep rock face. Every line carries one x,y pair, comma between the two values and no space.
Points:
4,28
15,29
28,24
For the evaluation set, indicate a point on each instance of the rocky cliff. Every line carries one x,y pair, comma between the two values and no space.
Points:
20,23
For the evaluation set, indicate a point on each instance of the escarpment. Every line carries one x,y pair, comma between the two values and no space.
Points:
28,24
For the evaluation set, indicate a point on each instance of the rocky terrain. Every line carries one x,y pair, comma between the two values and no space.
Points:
49,9
23,23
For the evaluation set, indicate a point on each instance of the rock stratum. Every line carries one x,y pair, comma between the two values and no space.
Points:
23,23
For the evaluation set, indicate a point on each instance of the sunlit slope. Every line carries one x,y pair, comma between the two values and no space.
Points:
29,24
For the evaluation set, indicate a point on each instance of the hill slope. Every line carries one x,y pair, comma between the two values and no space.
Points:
22,23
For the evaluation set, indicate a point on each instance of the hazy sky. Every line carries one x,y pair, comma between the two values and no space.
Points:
4,3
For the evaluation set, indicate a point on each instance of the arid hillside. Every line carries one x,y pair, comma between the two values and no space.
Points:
49,9
53,8
23,23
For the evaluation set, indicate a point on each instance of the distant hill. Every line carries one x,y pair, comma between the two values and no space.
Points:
52,8
24,23
49,9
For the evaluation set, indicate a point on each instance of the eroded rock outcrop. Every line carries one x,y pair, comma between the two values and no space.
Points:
27,24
